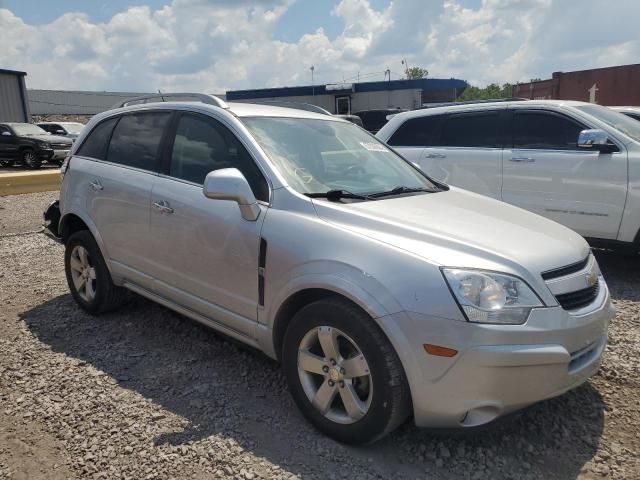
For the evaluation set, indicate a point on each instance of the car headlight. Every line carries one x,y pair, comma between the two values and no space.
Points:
489,297
45,145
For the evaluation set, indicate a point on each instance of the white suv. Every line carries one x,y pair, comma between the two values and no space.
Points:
382,292
572,162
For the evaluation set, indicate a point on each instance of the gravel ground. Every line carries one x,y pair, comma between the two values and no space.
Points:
144,393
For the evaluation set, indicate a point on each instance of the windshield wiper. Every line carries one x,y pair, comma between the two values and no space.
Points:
399,191
334,195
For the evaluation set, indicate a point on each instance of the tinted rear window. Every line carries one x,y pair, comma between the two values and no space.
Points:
417,132
95,145
136,140
471,130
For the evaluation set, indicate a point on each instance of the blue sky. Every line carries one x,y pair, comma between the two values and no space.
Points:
215,45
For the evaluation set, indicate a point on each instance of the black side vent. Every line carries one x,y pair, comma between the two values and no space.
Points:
262,262
564,271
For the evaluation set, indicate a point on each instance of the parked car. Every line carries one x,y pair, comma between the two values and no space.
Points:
575,163
64,129
633,112
29,145
374,120
382,292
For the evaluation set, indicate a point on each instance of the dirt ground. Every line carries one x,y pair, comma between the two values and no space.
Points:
143,393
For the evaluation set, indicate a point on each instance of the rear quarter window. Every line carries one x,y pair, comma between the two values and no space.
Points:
95,144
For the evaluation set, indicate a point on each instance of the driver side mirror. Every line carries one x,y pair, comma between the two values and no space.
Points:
596,139
60,132
6,134
230,184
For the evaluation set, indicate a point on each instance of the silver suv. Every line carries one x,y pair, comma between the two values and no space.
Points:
383,293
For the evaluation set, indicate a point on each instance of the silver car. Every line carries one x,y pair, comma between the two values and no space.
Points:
383,293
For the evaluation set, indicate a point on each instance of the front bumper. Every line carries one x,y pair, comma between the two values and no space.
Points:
498,368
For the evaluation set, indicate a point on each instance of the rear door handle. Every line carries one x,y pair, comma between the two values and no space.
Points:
96,185
522,159
163,206
435,155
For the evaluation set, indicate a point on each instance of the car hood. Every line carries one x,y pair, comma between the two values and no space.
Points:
462,229
48,138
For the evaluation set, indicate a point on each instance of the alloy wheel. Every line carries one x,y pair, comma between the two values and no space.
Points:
335,375
83,273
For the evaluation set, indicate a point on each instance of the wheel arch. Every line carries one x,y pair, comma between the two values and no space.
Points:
72,222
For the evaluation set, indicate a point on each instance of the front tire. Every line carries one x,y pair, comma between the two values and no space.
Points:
343,373
88,276
31,159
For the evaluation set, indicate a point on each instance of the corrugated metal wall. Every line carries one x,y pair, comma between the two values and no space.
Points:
12,108
61,102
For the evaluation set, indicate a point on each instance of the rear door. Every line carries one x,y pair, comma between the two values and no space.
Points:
546,173
468,153
8,143
119,189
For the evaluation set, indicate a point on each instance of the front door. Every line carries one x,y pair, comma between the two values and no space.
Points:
545,173
205,254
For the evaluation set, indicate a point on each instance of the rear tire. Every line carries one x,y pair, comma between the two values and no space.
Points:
88,276
30,159
360,395
5,162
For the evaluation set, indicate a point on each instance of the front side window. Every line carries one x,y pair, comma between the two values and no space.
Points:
136,140
317,156
471,130
545,131
417,132
202,145
95,145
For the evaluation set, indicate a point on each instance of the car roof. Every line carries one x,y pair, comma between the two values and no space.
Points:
489,105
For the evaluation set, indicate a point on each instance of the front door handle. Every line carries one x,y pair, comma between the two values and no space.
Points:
96,185
163,206
435,155
522,159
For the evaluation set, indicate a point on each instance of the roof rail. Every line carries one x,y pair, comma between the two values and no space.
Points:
309,107
471,102
174,97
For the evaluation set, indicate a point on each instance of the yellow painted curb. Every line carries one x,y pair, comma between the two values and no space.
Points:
15,183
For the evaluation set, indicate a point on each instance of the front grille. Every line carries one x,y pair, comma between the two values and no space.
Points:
564,271
579,298
60,146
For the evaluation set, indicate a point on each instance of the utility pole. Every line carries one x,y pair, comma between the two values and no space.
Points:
313,86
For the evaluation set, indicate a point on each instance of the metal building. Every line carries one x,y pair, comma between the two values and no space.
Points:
619,85
346,98
70,102
14,105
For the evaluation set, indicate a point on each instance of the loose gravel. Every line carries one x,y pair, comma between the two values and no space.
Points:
144,393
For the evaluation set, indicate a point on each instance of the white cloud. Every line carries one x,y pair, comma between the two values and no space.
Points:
190,45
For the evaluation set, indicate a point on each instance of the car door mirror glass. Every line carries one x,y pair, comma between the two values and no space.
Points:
230,184
60,132
595,139
5,134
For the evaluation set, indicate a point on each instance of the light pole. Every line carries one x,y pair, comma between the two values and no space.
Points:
313,87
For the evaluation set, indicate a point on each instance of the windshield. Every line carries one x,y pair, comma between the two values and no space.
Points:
28,129
73,127
626,125
317,156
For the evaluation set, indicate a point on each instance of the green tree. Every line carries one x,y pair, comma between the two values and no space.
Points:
414,73
489,92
